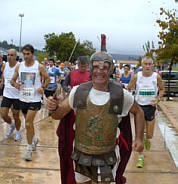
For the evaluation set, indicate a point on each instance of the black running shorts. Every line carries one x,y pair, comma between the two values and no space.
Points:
7,102
29,106
149,112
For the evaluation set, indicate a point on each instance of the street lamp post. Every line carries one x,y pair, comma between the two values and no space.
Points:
21,14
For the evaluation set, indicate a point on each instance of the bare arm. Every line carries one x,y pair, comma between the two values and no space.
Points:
2,76
58,110
45,78
14,78
44,75
161,90
160,87
139,121
132,82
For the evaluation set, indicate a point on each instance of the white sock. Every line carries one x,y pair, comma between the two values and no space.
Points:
34,138
29,147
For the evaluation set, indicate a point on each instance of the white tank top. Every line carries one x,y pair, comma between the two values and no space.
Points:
146,89
9,91
30,80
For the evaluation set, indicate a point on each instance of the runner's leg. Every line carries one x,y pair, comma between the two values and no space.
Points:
29,125
5,116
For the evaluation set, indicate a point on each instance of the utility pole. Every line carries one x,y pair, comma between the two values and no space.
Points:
21,15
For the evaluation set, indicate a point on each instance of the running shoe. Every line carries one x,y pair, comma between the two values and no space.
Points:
140,162
28,154
18,136
11,130
34,143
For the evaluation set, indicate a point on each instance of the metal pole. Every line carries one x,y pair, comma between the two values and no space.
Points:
72,51
21,15
169,78
20,34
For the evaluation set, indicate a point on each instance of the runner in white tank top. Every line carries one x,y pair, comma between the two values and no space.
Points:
29,74
146,89
148,83
10,96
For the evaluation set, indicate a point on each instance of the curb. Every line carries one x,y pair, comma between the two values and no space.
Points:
169,115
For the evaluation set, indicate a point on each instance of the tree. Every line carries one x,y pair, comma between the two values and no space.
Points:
41,56
168,43
62,45
149,50
7,46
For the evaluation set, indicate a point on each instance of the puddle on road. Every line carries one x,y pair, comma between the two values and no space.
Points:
170,136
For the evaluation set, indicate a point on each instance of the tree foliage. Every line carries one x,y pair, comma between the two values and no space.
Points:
4,44
168,43
149,49
42,55
62,45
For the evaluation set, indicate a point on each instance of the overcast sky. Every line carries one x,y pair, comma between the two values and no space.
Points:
128,24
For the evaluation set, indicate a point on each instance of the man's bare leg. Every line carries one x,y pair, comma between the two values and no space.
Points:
29,125
16,116
30,133
5,116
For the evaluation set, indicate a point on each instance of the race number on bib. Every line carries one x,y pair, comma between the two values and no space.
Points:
27,94
52,79
146,94
7,83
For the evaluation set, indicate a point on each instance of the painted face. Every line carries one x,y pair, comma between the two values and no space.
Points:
100,72
11,56
28,56
147,65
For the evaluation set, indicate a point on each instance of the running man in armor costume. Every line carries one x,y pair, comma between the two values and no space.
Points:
99,106
148,84
65,129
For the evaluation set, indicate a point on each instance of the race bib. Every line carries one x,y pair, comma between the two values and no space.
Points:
27,94
52,79
146,94
7,83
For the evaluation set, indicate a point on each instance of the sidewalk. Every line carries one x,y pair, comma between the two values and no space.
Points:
159,167
170,109
44,169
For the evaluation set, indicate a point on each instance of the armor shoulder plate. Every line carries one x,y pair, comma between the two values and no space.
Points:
117,98
81,94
